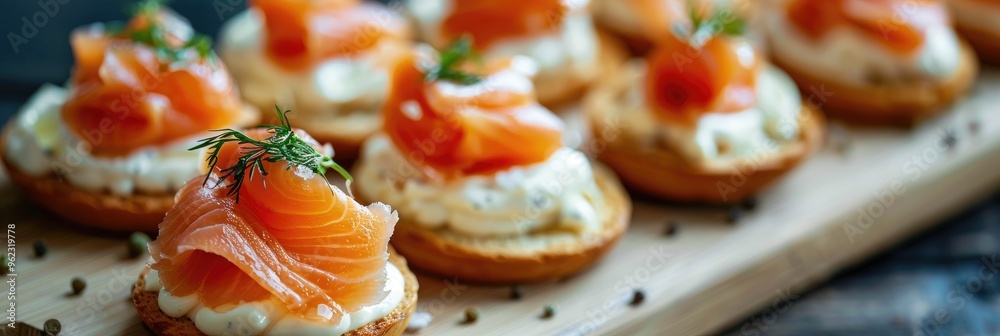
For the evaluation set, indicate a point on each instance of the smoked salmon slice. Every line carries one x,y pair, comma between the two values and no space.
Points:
490,21
302,33
450,129
290,235
686,79
146,85
898,25
659,16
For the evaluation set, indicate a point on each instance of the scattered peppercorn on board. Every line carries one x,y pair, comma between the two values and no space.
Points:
680,269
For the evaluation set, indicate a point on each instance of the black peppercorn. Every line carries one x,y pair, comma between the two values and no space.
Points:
41,248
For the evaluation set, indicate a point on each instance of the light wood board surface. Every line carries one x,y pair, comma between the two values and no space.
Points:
823,217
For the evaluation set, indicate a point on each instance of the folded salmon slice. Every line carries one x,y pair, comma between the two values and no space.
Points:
659,16
126,95
291,236
899,25
451,129
491,21
684,82
303,33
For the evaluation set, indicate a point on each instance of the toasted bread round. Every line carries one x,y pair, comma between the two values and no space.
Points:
625,24
536,257
101,210
986,44
146,303
558,90
630,33
663,172
903,104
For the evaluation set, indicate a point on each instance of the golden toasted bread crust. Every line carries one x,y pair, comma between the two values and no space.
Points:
472,260
557,91
98,210
105,211
391,325
904,104
663,172
986,44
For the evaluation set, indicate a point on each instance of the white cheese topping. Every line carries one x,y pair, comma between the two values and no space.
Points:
270,317
559,193
572,48
334,91
40,144
977,14
740,134
849,56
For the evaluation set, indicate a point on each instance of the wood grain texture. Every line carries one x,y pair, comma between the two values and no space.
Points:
704,278
928,285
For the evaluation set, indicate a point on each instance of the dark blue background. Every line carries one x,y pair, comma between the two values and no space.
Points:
897,293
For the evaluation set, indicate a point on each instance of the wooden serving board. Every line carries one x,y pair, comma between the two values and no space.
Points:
868,190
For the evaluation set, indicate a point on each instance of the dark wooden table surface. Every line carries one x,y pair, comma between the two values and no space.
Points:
930,285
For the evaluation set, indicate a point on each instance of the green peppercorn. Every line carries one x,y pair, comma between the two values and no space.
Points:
471,315
549,311
78,285
137,243
53,327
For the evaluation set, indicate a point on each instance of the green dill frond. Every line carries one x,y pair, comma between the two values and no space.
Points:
705,26
282,145
146,7
451,57
155,35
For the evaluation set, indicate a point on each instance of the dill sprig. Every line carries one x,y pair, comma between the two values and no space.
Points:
282,145
459,51
155,35
705,26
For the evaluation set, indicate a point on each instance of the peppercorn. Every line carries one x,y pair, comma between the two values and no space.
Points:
974,126
52,327
638,296
949,139
549,311
670,229
41,248
516,292
137,244
78,285
471,315
733,214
